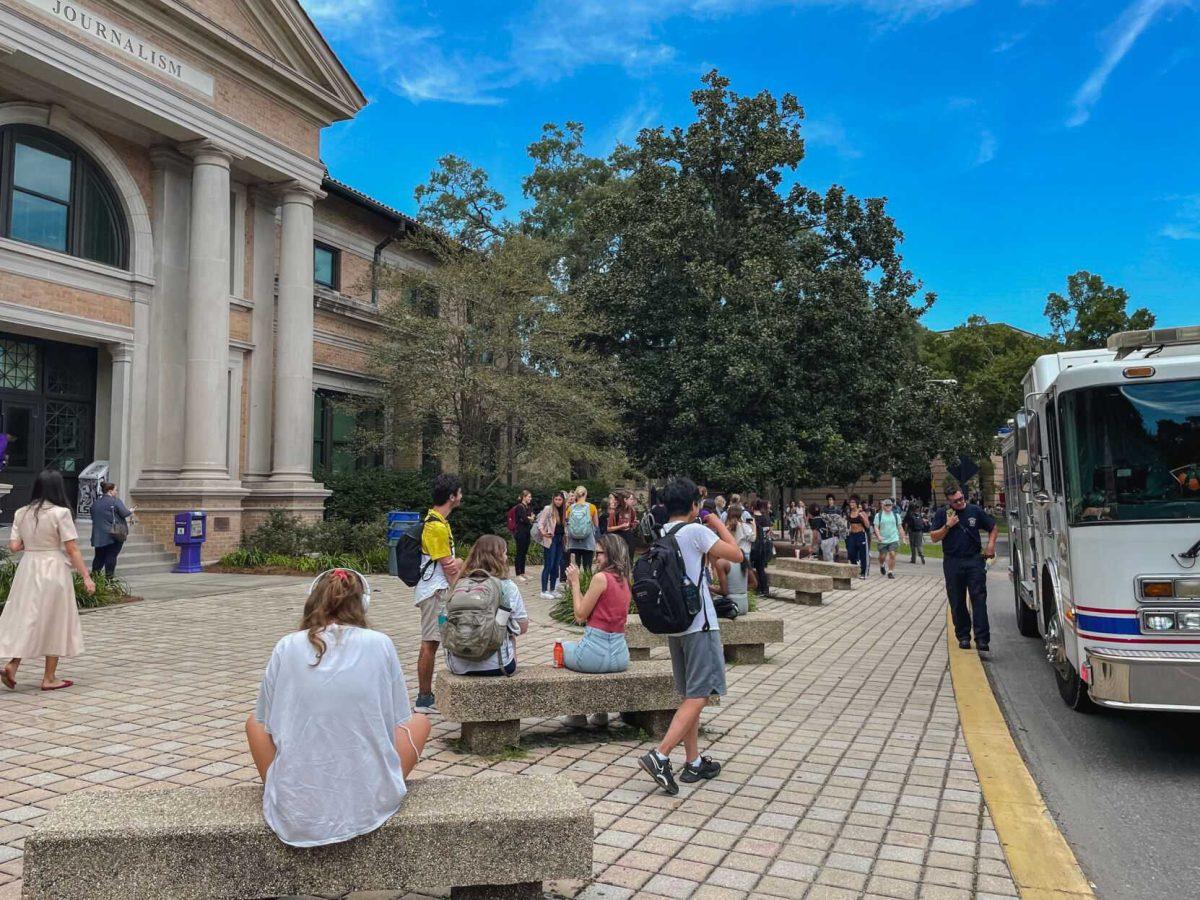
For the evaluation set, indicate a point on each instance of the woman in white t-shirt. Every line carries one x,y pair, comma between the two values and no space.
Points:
333,736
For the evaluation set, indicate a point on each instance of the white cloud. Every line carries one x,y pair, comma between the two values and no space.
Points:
1120,38
548,39
829,132
1186,224
987,148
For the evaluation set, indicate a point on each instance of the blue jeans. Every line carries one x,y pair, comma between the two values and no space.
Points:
597,653
552,566
856,550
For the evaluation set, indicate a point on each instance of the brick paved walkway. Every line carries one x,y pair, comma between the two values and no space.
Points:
845,771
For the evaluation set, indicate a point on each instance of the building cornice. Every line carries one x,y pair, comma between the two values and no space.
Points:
41,264
332,302
50,323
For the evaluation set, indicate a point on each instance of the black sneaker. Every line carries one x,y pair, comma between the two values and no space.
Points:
882,569
891,574
660,771
964,645
425,704
708,768
983,648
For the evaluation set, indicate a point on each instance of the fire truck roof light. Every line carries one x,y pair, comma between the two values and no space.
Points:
1125,342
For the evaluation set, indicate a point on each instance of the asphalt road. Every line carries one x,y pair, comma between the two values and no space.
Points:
1124,787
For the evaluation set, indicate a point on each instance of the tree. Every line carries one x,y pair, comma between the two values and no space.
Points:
1091,312
481,350
989,362
768,330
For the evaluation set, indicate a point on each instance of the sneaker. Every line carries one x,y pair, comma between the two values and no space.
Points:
575,721
882,570
660,771
891,574
708,768
862,577
983,648
964,645
922,560
546,595
524,579
425,704
599,720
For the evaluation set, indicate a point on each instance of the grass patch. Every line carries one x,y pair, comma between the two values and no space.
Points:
259,562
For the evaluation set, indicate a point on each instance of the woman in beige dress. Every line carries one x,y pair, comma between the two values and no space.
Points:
40,617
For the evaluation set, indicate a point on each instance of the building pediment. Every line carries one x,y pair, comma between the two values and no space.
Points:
272,41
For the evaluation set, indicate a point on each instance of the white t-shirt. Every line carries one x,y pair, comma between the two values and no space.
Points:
695,540
460,666
336,773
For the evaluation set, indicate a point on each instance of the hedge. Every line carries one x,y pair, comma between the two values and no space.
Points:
366,496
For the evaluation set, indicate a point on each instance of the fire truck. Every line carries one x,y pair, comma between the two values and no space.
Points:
1102,482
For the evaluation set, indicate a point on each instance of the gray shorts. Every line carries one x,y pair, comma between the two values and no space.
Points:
431,608
698,663
889,547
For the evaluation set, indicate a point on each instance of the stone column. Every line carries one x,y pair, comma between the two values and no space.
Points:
207,316
262,325
120,417
293,407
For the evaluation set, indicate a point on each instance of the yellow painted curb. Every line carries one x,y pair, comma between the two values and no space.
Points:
1042,864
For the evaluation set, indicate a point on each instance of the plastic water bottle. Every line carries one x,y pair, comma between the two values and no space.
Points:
558,655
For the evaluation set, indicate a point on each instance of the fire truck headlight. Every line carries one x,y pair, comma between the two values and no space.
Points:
1159,621
1189,621
1187,588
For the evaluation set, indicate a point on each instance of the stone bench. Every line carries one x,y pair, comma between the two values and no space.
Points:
481,837
491,709
744,638
808,588
843,574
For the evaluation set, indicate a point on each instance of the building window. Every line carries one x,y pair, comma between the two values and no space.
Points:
53,195
334,427
326,263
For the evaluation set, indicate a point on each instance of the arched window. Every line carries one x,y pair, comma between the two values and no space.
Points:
52,194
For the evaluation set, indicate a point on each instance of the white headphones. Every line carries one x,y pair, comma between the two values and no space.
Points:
366,585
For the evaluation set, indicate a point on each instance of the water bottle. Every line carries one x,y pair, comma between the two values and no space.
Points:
559,663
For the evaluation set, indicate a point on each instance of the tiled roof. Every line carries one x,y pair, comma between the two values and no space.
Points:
333,186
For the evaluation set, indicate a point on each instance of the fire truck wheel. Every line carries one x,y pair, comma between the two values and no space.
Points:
1027,623
1070,686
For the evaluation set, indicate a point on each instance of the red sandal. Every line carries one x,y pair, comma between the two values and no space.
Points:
58,687
8,680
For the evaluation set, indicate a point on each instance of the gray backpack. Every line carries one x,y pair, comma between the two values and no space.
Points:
477,616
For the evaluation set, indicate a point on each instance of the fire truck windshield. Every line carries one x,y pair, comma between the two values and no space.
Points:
1131,452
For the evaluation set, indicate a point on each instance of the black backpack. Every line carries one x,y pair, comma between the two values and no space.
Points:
726,607
667,600
408,555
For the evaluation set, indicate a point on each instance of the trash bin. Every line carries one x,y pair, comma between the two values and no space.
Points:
398,522
191,530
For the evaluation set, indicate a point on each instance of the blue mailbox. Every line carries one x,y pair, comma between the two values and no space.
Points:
191,528
398,522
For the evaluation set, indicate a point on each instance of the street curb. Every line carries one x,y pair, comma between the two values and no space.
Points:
1041,861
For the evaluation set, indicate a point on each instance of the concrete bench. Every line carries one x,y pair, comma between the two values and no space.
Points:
744,638
808,588
481,837
491,709
843,574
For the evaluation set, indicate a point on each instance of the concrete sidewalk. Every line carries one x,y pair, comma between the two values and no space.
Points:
845,776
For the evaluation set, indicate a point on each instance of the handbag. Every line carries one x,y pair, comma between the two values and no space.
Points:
119,531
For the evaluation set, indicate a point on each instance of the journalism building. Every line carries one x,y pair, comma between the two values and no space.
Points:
183,287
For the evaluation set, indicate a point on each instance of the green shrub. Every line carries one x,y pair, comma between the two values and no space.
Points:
108,590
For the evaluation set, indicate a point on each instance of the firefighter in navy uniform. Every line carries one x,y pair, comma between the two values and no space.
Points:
957,528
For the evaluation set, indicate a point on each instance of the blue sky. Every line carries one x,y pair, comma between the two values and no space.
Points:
1017,140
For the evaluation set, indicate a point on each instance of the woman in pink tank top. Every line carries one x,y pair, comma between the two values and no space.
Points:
604,609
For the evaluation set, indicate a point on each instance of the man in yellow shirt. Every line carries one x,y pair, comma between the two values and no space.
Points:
439,570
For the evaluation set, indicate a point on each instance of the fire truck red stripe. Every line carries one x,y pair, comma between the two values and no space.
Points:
1115,612
1145,639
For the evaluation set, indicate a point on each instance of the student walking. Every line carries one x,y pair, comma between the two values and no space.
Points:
439,568
332,735
521,520
109,529
488,562
582,523
40,617
856,540
887,537
915,525
957,529
697,660
552,536
764,547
